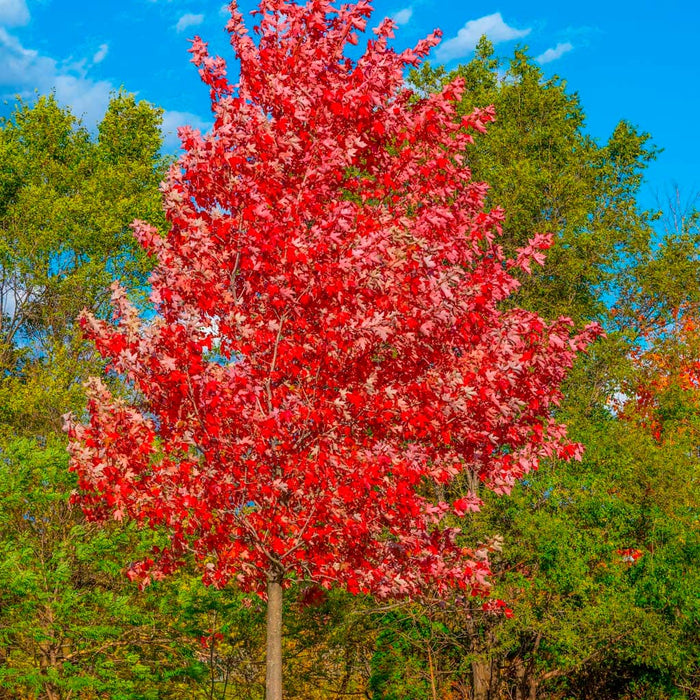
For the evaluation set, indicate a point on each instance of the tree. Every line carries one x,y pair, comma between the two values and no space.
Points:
70,625
60,245
550,175
329,349
586,622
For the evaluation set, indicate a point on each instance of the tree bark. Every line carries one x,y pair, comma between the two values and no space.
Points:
273,661
481,680
526,688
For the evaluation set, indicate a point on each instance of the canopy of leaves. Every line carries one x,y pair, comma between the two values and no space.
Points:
66,201
330,335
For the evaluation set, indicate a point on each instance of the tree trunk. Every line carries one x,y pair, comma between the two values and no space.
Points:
526,688
273,662
481,680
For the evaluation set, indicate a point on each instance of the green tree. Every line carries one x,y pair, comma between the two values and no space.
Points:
66,202
599,557
549,175
71,625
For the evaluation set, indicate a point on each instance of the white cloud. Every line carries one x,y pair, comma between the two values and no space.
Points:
224,10
100,54
403,16
468,36
553,54
13,13
172,119
26,71
188,20
87,99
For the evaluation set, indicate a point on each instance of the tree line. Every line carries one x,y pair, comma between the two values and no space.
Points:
596,558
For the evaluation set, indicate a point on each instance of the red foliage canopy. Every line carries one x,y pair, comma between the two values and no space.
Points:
329,338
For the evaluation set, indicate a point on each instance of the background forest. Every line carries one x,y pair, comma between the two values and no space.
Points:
597,559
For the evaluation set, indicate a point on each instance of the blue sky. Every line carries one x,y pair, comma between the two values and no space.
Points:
631,60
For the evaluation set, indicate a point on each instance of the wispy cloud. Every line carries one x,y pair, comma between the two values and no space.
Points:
13,13
100,54
188,20
25,71
552,54
403,16
468,36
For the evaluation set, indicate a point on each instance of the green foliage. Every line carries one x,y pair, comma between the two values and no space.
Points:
550,176
401,666
66,202
587,621
564,570
72,624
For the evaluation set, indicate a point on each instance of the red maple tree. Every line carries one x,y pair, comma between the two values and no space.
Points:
329,339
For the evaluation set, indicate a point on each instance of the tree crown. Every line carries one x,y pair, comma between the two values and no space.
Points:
329,351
